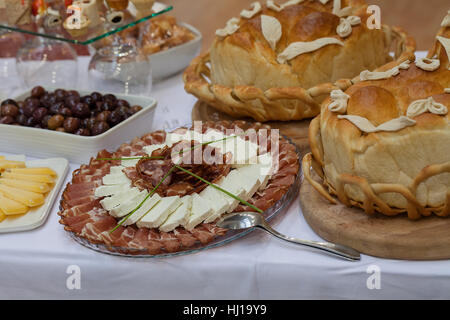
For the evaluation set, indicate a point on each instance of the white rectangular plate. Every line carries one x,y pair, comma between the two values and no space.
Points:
37,216
44,143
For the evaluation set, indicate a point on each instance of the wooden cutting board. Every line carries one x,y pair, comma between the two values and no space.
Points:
297,131
380,236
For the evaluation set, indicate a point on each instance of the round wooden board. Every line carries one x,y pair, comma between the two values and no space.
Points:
297,131
378,235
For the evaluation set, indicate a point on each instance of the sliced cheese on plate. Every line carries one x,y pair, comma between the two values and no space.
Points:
232,184
10,164
36,170
156,216
266,163
11,207
146,207
250,179
129,205
28,198
179,216
119,198
116,170
38,187
104,191
200,211
115,178
217,202
149,149
44,178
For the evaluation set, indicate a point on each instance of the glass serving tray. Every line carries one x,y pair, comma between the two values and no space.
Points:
230,236
93,34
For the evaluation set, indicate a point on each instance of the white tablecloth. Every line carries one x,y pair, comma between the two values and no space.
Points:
35,264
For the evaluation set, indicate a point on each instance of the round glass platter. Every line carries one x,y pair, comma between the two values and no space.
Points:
231,235
95,33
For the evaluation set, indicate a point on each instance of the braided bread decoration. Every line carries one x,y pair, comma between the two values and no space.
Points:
404,165
243,76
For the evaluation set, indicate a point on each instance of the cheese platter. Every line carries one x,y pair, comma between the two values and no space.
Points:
28,190
121,203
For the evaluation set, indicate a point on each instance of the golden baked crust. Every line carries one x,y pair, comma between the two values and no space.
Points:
246,79
407,170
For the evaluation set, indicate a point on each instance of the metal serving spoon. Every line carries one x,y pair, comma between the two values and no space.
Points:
245,220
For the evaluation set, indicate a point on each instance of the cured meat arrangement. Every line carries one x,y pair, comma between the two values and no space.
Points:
131,202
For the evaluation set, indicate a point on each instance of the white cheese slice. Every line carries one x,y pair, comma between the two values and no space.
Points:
249,182
232,184
217,202
115,178
146,207
130,163
128,206
180,216
105,191
266,168
172,138
200,211
266,162
244,152
256,171
156,216
149,149
119,198
116,170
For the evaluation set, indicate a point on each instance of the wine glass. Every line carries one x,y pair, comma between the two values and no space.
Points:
47,62
120,68
10,42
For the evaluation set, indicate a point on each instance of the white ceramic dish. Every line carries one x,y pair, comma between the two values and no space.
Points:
176,59
42,143
37,216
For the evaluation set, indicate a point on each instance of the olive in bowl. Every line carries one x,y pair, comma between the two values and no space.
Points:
67,111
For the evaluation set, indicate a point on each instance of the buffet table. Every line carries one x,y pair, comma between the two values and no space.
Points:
40,264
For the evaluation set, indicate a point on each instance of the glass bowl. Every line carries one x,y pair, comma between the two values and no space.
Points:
120,68
48,63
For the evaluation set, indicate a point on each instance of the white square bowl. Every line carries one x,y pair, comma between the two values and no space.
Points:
45,143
